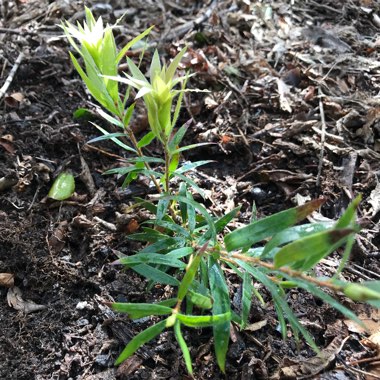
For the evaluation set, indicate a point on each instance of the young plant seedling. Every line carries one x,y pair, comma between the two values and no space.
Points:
185,245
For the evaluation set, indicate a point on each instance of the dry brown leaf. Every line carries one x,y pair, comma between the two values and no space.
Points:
15,300
312,366
7,279
129,366
257,326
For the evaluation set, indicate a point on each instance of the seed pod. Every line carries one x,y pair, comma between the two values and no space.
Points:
63,187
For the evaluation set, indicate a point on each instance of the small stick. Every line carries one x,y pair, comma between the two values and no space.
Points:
11,75
323,137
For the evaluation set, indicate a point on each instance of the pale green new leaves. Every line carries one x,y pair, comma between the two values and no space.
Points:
95,43
159,93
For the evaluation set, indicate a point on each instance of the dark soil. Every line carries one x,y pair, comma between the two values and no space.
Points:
265,64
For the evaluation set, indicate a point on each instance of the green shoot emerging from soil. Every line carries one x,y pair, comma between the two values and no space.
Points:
186,245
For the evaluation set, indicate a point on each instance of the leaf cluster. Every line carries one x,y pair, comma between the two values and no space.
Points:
186,246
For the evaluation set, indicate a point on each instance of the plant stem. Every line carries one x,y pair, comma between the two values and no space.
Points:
167,174
293,273
133,139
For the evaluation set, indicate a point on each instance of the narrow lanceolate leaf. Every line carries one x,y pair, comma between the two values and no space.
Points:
246,299
191,165
196,206
263,228
292,234
155,274
282,307
108,136
304,253
183,346
199,300
188,147
109,118
162,208
63,187
151,258
123,51
220,294
177,138
313,289
180,252
146,140
188,277
114,139
348,218
164,244
204,320
140,310
140,339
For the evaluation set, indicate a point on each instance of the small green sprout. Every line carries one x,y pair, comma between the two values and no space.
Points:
158,93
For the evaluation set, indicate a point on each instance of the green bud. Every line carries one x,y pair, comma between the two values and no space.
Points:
170,321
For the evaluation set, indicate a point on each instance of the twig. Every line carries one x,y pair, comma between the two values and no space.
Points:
323,137
11,75
181,30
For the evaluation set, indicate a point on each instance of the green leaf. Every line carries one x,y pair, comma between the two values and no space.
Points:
313,289
170,302
198,207
164,245
246,299
140,339
162,208
149,235
121,171
131,43
191,165
173,163
304,253
179,230
128,115
188,147
145,159
174,65
261,229
155,274
192,184
115,140
201,301
109,136
151,258
146,140
183,347
177,138
205,320
221,305
222,222
63,187
292,234
188,277
108,64
135,71
375,286
180,252
281,305
155,66
348,218
83,113
140,310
